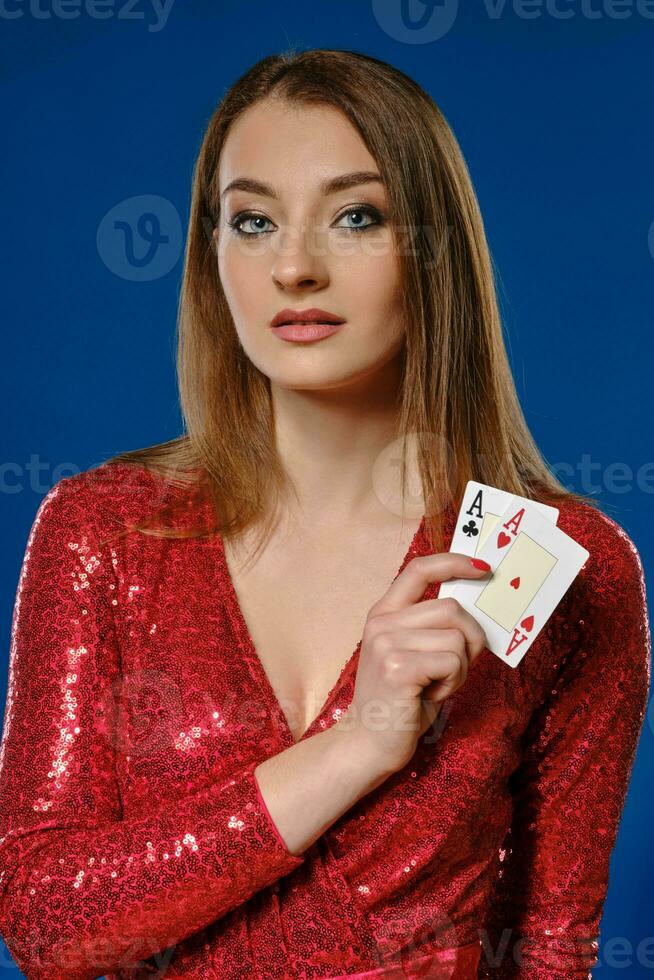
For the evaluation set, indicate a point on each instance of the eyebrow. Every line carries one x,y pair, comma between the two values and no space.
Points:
341,183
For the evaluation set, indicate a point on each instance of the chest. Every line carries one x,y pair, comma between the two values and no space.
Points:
305,602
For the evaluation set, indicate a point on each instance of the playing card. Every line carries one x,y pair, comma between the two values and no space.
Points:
481,509
533,564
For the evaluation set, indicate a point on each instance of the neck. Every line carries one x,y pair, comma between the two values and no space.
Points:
340,448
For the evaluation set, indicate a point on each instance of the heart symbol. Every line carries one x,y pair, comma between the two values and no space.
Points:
515,582
528,623
503,539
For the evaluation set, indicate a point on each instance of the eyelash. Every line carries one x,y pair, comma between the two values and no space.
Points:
246,215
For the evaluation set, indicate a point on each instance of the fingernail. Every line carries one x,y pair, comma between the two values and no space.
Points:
480,563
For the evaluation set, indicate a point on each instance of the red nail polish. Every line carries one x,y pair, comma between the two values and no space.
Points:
480,563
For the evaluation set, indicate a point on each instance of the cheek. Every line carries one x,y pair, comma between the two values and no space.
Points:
242,276
235,275
374,265
373,295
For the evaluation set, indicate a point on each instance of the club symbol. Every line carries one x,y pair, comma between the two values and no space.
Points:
470,529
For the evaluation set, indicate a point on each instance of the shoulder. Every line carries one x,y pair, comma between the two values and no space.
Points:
103,499
614,562
607,601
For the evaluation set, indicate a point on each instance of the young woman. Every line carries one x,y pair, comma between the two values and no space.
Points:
197,776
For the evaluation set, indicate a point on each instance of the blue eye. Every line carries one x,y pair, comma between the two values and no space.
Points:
244,216
365,210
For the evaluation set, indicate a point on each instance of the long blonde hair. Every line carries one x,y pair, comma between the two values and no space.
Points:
458,400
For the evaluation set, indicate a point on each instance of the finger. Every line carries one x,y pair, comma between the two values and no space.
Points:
450,613
407,654
431,640
409,586
440,672
438,614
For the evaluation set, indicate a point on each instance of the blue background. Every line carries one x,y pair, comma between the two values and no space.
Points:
554,117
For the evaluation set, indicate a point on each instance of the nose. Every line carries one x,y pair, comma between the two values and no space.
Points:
299,259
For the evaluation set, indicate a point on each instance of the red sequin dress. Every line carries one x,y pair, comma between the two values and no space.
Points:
134,841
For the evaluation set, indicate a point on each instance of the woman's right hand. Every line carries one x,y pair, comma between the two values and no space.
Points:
414,654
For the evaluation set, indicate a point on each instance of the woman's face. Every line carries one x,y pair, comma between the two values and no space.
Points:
300,246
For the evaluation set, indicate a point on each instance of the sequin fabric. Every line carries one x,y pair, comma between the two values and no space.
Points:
134,839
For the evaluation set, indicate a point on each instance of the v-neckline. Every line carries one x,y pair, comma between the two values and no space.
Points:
254,661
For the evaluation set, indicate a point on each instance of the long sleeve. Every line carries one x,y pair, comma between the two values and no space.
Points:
570,787
82,890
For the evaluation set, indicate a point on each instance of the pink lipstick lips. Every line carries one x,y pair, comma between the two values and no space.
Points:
305,325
